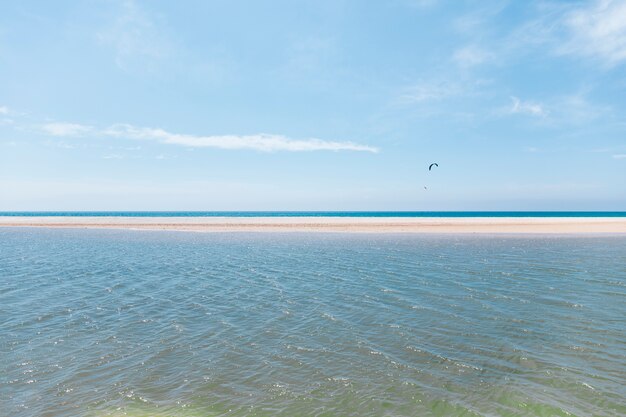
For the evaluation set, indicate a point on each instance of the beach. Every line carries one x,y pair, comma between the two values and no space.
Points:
448,225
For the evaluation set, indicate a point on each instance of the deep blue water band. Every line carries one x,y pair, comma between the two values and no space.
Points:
316,213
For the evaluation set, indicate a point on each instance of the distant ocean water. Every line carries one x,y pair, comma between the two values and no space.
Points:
317,213
125,323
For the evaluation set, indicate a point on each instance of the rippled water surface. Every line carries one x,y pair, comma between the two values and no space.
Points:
113,323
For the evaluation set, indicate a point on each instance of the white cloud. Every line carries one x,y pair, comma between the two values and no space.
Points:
598,30
471,56
526,107
4,110
260,142
595,29
65,129
619,156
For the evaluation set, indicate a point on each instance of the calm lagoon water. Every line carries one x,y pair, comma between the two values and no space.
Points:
113,323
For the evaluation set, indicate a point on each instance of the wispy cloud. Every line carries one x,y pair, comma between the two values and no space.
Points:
526,107
4,110
310,56
620,156
65,129
574,109
577,109
260,142
471,55
425,91
442,88
135,37
598,30
422,3
595,29
60,144
113,156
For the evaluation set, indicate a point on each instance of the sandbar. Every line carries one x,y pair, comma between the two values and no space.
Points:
482,225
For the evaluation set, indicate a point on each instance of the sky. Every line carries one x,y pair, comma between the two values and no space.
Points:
312,105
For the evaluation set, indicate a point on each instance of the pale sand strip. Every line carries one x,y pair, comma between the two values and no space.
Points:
556,225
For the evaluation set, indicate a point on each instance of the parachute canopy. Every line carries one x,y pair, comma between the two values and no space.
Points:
432,165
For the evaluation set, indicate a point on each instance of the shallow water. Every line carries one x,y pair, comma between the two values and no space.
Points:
113,323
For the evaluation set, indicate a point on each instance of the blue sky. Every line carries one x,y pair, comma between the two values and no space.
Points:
313,105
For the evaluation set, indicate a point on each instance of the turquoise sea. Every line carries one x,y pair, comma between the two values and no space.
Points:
316,213
144,323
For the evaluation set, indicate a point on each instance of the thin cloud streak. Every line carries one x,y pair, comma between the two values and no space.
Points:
423,92
574,109
599,31
526,107
260,142
420,4
471,56
596,31
65,129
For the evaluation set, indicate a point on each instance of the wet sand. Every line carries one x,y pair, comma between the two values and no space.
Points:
489,225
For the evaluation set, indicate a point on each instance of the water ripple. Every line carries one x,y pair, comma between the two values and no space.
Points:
112,323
